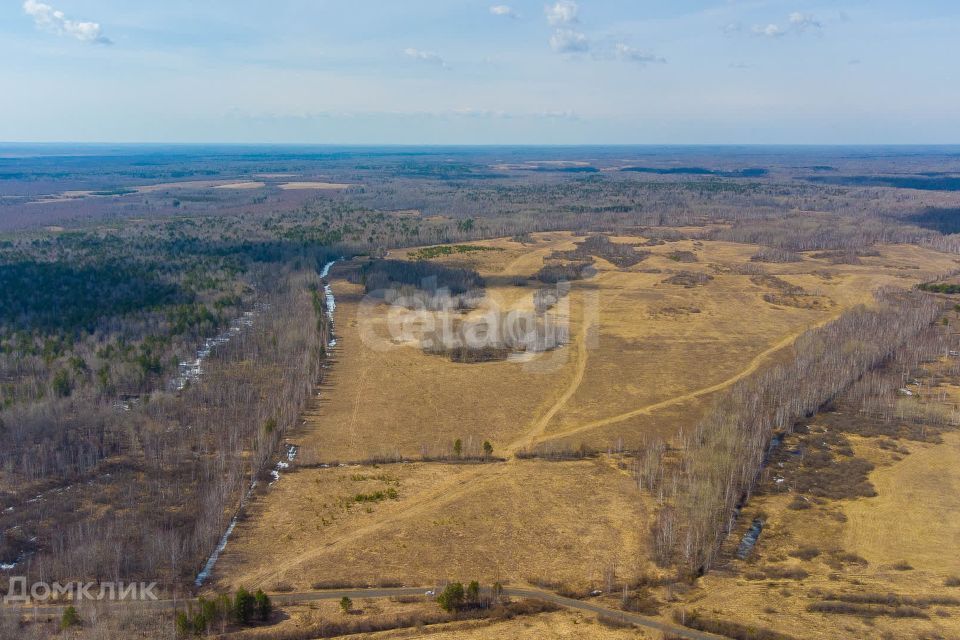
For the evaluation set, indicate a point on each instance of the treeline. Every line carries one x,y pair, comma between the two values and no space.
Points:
599,246
380,275
879,398
725,452
940,287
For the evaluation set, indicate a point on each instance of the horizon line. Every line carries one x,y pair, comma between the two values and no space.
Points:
474,144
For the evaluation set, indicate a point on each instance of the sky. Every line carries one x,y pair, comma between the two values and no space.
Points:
481,72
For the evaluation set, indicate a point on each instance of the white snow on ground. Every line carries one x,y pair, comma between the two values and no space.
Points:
191,370
330,300
284,464
212,560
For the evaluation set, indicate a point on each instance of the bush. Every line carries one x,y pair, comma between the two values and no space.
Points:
70,618
689,279
263,605
62,386
694,620
244,605
867,610
682,256
184,625
346,604
452,597
473,592
805,553
952,581
773,254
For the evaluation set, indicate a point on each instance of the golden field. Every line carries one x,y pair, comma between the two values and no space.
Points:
644,360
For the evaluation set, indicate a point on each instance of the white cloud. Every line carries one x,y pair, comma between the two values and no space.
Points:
503,10
569,41
797,23
561,13
626,52
50,19
804,21
770,30
425,56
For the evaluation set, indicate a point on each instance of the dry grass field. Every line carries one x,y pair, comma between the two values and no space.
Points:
565,522
557,624
650,346
560,625
913,515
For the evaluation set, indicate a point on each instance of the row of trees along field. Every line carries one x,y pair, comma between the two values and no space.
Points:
725,452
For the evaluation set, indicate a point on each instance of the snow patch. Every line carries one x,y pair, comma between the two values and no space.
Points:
191,370
331,302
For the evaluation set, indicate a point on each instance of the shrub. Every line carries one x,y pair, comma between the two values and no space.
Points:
785,573
263,605
70,618
952,581
689,279
473,592
346,604
62,386
867,610
184,625
452,597
682,256
695,620
244,605
805,553
773,254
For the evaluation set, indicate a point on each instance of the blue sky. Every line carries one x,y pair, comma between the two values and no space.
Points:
467,72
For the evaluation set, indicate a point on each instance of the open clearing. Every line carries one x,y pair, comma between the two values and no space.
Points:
911,518
241,185
645,358
313,185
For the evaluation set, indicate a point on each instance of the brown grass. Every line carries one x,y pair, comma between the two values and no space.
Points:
630,375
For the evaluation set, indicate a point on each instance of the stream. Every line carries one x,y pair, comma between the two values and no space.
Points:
191,370
291,450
